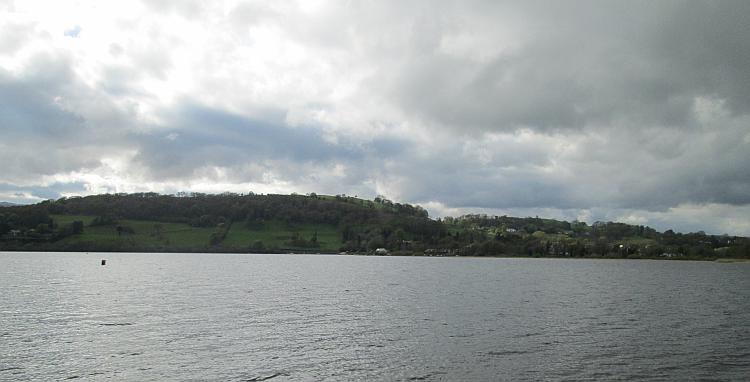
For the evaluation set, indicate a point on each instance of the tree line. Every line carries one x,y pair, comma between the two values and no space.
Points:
364,226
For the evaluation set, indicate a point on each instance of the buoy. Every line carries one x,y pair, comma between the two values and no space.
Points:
104,261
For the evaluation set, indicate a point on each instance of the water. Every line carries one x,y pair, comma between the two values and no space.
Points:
302,318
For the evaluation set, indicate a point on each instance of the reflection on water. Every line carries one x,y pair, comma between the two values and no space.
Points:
284,317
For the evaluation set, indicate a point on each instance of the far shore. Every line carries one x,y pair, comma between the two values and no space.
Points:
686,258
728,260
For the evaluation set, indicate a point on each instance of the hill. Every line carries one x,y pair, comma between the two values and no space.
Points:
226,222
149,222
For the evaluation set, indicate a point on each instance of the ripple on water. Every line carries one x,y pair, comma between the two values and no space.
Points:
265,377
116,324
271,317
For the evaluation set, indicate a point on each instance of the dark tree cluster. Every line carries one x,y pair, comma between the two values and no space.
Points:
207,210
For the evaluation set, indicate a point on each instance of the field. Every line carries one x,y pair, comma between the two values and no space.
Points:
274,236
144,233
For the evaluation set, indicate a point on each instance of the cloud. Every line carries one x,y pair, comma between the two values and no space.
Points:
595,110
13,35
195,137
185,8
36,193
51,122
597,63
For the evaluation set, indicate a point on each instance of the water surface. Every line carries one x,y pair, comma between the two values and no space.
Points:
300,318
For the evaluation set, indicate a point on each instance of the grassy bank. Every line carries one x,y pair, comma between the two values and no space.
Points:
142,235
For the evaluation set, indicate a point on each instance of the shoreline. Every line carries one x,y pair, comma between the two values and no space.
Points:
301,253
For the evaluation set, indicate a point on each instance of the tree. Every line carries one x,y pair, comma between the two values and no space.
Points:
76,227
257,245
158,231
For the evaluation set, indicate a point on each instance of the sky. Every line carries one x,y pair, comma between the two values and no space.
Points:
630,111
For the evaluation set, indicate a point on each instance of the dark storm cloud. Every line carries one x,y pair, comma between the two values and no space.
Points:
593,63
196,136
621,81
705,46
489,188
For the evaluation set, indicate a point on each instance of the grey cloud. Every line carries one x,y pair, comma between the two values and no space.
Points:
197,136
467,184
50,122
609,169
30,120
119,81
596,63
707,48
660,168
28,104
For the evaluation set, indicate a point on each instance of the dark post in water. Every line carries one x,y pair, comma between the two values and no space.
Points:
104,261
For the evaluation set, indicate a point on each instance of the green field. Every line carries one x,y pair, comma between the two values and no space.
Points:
148,233
276,235
273,235
67,219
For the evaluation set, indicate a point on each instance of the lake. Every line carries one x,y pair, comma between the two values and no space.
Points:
315,317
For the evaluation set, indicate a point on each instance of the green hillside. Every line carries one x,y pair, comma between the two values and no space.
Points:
274,236
215,223
138,232
150,222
